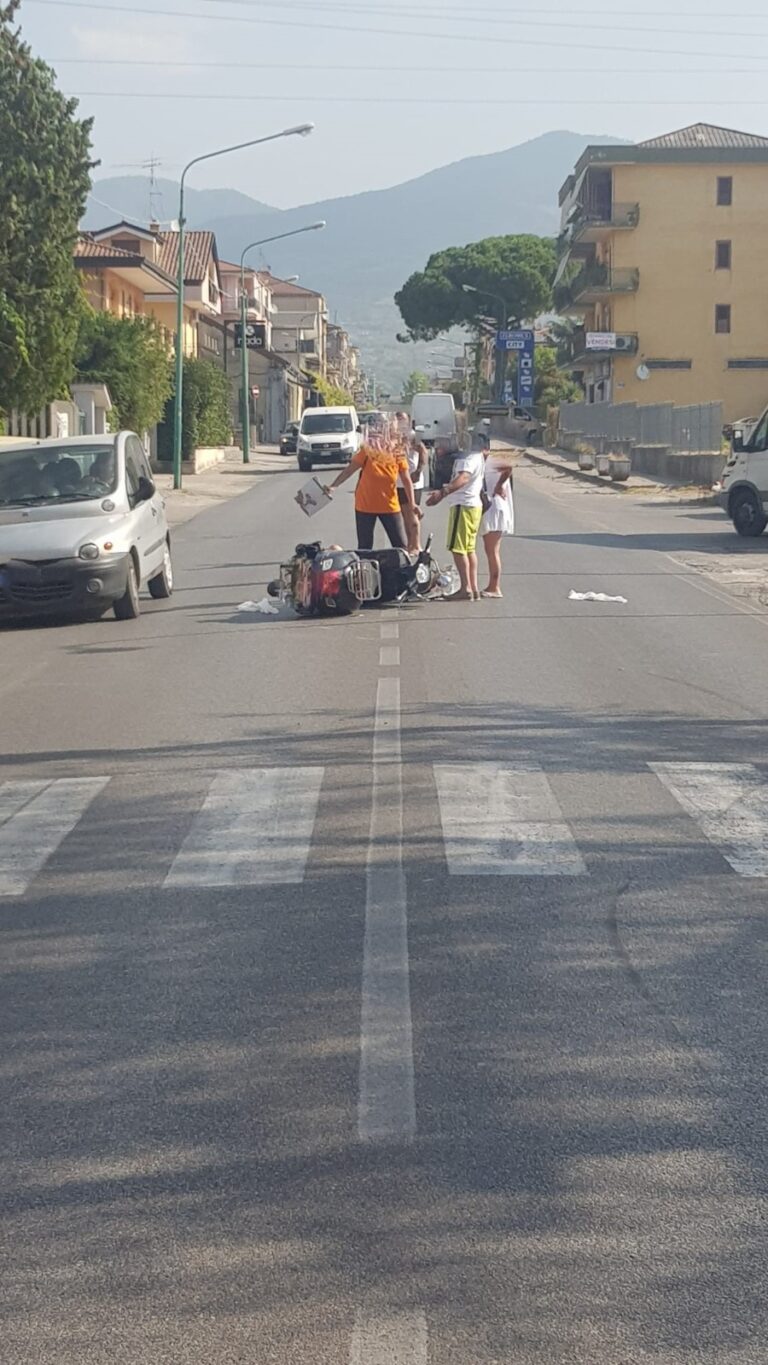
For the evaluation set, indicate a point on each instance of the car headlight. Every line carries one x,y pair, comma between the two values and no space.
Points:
304,445
89,551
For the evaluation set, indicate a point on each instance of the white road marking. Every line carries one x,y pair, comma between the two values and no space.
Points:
35,817
390,630
253,829
389,656
503,821
387,1104
729,802
396,1339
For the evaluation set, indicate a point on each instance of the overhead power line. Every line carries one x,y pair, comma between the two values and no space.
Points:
484,39
352,67
404,99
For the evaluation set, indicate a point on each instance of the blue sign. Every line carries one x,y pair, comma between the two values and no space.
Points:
517,340
526,370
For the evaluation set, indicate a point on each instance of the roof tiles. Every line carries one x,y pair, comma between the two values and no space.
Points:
705,135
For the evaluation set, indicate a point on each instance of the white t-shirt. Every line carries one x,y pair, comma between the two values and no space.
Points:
415,467
469,495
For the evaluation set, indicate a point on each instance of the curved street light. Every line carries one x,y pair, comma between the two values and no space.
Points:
245,417
300,130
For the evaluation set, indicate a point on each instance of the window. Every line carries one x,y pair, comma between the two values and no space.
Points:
129,244
133,469
722,255
723,318
725,190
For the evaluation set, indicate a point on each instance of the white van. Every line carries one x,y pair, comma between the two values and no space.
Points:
82,528
743,489
434,417
328,436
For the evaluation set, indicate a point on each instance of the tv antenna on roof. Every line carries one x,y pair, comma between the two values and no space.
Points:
151,166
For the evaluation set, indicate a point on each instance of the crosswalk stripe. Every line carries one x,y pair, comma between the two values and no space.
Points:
503,821
35,817
729,802
253,829
396,1339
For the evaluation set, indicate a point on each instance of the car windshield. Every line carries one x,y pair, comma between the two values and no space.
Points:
39,475
324,423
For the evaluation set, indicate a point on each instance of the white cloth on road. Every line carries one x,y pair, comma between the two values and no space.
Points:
501,513
266,607
594,597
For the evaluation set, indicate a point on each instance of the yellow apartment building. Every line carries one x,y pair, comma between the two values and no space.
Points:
664,263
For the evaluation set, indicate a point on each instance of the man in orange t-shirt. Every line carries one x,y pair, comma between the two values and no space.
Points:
379,464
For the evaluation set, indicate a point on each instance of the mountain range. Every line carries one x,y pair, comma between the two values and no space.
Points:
375,240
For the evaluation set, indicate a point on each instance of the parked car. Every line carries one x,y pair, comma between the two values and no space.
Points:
328,436
82,528
289,439
524,428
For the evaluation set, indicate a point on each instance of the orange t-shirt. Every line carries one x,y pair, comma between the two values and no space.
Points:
377,486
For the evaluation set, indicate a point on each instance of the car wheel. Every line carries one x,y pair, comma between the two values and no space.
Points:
747,513
128,607
162,584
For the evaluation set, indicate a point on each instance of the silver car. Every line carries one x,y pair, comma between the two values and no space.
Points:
82,527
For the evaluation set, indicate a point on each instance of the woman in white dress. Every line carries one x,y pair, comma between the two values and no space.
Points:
499,514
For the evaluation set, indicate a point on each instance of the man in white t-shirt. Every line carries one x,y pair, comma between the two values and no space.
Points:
464,497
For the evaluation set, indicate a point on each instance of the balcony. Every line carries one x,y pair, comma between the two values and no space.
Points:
591,224
585,346
593,284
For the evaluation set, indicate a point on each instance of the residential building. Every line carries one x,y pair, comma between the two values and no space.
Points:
278,392
203,317
122,281
664,264
300,326
339,360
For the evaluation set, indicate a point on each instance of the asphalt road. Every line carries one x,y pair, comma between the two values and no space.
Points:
390,991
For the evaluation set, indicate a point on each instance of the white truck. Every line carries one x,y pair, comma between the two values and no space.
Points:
743,489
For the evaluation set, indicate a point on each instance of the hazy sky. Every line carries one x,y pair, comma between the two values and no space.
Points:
616,67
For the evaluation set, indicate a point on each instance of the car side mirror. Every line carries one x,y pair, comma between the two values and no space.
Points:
146,489
737,441
360,430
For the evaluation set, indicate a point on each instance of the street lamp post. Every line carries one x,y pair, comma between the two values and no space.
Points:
301,130
245,416
500,356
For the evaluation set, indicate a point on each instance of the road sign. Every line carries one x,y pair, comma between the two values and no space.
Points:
526,368
509,391
517,340
255,336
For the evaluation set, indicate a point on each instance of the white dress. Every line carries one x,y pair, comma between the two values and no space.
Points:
501,513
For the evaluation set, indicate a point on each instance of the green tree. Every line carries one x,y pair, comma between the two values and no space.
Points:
417,382
552,385
205,418
513,277
44,181
332,395
131,358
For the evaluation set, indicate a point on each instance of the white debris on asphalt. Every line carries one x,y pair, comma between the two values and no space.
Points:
574,596
266,607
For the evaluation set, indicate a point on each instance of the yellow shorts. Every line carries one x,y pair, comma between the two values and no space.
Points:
463,526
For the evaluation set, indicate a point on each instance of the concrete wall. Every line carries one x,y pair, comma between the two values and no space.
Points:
673,311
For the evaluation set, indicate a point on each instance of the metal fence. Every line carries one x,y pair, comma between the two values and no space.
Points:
695,428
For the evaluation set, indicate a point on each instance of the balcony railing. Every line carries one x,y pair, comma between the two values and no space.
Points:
593,283
592,222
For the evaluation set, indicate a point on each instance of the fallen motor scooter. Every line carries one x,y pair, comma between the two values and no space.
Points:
331,581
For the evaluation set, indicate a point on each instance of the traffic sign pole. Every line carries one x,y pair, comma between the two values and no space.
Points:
245,416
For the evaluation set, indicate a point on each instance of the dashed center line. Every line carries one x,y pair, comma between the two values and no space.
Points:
389,656
387,1105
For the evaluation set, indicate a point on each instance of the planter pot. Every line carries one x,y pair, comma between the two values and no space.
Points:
586,461
620,467
603,464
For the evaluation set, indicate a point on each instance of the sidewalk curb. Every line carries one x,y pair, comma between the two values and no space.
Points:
561,466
